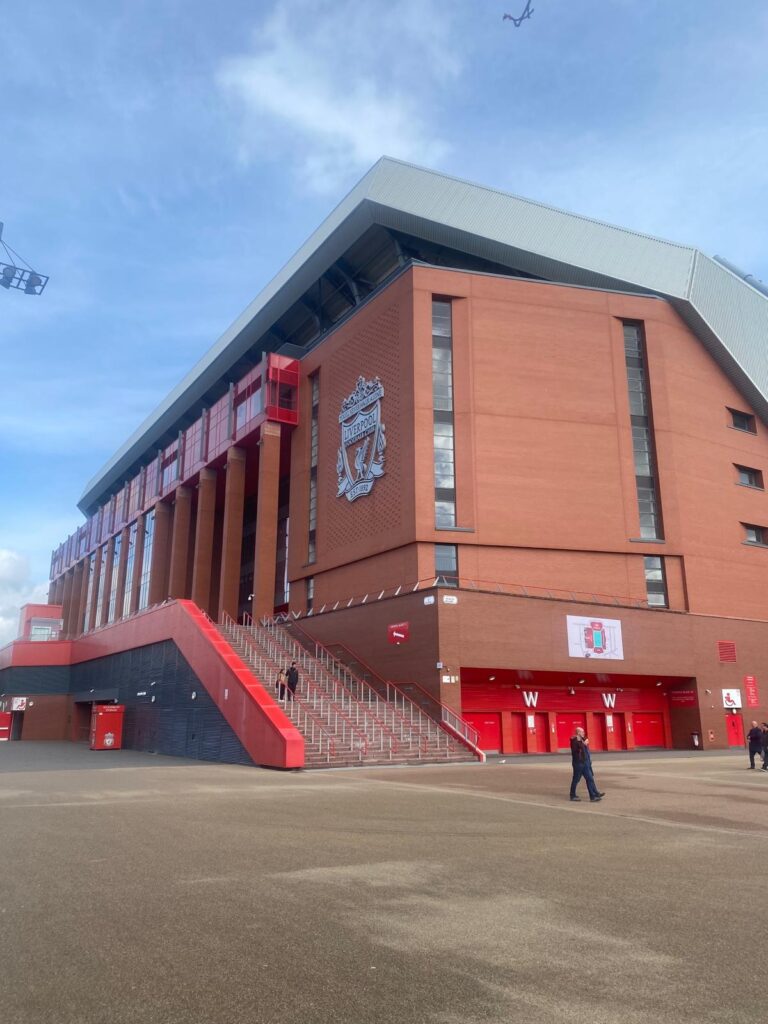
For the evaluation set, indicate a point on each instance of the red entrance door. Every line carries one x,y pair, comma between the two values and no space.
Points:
649,729
542,732
620,730
512,733
734,728
598,740
566,726
488,725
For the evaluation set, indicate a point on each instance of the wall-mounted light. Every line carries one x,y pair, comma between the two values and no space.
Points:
517,686
571,691
708,691
491,678
193,695
582,681
659,683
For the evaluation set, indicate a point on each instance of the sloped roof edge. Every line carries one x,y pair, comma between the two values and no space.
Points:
730,316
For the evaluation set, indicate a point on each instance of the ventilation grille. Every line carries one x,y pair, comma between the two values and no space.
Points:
726,650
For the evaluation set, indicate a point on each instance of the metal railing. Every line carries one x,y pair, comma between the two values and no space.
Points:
439,712
508,589
371,716
312,728
402,708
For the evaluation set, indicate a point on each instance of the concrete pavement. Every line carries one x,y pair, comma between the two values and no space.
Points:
144,889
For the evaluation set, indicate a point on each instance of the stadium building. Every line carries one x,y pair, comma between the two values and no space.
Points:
486,470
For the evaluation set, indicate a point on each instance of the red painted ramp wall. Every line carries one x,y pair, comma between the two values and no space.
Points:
268,736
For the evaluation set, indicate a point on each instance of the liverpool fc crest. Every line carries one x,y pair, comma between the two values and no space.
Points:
360,461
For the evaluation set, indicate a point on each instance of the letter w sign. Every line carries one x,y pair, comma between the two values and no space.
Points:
530,698
609,699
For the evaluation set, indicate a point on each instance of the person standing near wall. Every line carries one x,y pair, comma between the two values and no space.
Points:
755,741
764,767
581,760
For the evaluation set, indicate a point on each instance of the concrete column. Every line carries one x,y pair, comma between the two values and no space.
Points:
97,570
122,566
182,519
202,563
107,570
161,553
232,532
66,613
265,549
138,559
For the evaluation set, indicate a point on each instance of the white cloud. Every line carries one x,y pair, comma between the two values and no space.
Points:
332,87
16,589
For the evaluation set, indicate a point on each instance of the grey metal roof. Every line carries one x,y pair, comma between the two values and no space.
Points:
729,316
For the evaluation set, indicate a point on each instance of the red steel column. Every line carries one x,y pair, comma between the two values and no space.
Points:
182,520
122,567
138,559
161,552
80,625
56,591
66,612
107,570
203,558
97,569
265,549
76,616
232,535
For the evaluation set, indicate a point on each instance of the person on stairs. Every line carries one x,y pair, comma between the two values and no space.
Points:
292,677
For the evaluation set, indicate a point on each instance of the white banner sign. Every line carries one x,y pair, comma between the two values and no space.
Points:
594,638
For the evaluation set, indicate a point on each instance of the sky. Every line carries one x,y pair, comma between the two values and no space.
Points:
162,159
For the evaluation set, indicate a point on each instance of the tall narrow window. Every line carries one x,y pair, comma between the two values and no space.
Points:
442,415
113,580
146,561
646,477
310,593
655,582
129,568
447,565
313,459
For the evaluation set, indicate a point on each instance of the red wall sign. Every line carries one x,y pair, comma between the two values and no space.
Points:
753,697
399,632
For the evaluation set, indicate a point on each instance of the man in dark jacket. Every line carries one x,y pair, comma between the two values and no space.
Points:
755,741
582,767
292,680
764,767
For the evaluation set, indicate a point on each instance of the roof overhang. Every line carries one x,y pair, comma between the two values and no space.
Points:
727,314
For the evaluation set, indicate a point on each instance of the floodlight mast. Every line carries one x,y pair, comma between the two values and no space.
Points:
14,276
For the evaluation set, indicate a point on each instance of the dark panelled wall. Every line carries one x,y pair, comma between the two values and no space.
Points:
156,684
36,680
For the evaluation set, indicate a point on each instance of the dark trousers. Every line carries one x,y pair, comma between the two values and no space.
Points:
291,689
583,771
752,752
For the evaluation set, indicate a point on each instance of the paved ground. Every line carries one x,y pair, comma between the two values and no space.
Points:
145,890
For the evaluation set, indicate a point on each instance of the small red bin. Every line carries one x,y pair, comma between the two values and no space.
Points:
107,726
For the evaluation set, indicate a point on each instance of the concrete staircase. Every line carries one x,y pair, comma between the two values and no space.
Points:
343,719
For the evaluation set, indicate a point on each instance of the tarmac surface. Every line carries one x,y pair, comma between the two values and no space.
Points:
151,890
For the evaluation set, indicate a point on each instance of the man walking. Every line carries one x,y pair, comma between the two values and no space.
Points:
292,680
755,740
764,767
582,767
